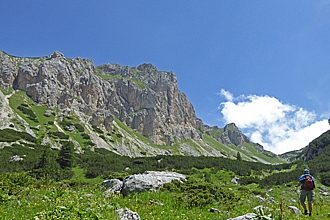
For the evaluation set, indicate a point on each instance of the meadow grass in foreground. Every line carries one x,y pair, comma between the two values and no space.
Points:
22,197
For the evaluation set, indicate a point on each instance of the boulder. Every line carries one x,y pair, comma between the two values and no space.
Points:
112,186
235,180
70,128
126,214
214,210
260,198
150,180
48,113
248,216
15,158
295,210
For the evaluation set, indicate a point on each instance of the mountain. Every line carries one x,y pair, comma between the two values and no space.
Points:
316,149
315,156
133,111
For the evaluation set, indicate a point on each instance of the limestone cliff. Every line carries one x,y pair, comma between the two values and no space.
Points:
144,98
109,107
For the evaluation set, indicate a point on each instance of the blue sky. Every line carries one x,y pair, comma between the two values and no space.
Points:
224,52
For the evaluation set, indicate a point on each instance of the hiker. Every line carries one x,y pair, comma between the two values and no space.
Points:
307,183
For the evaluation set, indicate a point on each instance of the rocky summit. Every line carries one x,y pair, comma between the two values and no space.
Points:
134,111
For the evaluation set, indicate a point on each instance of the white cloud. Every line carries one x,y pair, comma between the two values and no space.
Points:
277,126
228,96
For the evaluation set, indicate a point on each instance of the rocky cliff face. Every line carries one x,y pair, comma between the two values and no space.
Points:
230,134
56,99
146,99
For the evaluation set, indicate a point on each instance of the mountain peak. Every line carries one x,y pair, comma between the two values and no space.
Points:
231,127
147,67
232,135
57,54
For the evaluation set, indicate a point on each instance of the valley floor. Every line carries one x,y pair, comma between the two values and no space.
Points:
22,197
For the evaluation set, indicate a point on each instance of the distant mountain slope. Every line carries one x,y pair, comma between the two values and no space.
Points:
316,156
134,111
318,148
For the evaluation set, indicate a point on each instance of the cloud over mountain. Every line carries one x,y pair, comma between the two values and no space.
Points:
277,126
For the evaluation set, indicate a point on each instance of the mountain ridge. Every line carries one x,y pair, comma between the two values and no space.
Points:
114,104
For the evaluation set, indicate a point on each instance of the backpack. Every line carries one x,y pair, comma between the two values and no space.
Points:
308,183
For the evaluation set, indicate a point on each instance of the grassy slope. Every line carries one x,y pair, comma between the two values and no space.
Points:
42,126
248,151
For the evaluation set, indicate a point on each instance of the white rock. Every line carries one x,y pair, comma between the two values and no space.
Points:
235,180
112,186
126,214
150,180
248,216
15,158
294,210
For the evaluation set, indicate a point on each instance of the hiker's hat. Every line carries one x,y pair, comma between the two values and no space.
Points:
306,171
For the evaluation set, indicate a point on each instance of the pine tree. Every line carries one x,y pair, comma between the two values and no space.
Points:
65,155
46,166
239,158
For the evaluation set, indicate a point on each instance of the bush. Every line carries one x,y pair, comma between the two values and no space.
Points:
79,127
85,136
60,135
98,130
248,180
198,193
10,135
28,112
89,143
325,178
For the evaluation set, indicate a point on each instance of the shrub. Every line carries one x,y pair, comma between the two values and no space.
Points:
198,193
28,112
325,178
10,135
58,134
79,127
248,180
97,129
85,136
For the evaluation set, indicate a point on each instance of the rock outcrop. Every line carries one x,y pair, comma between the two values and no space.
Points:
232,135
146,99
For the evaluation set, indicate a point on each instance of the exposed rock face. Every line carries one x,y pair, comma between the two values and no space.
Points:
150,180
232,135
5,111
146,99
